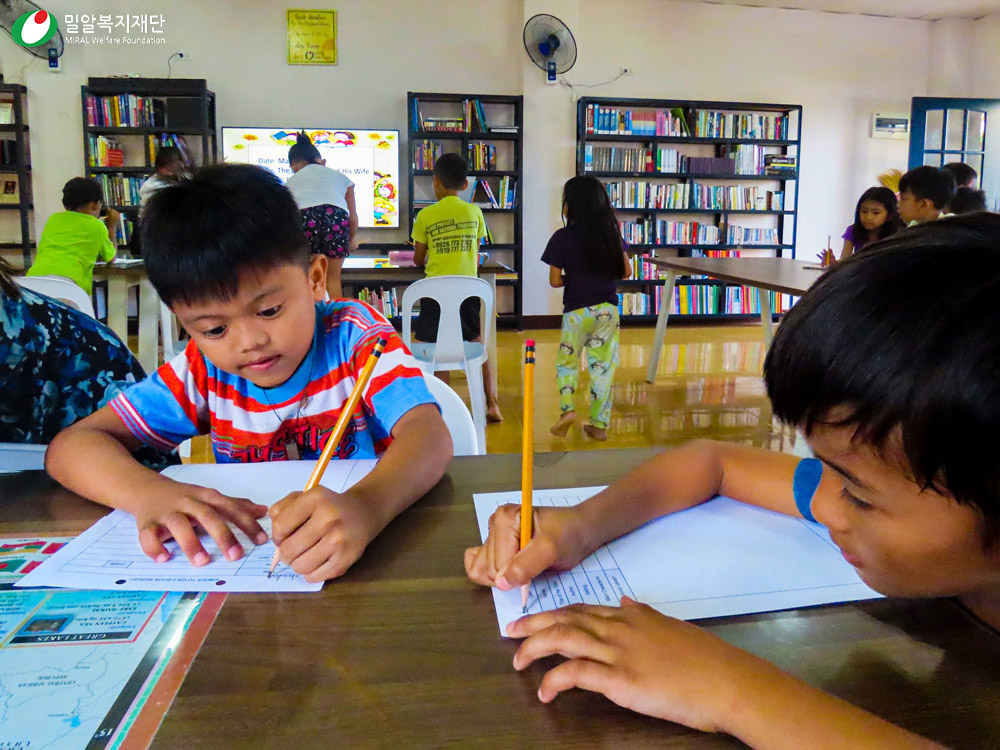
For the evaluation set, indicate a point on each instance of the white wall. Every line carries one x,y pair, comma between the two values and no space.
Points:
985,54
840,67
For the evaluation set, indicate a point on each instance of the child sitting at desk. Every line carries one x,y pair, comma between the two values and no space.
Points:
266,373
889,367
924,194
74,239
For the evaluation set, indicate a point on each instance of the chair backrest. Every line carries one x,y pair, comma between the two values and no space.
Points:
170,331
456,416
59,288
449,292
22,456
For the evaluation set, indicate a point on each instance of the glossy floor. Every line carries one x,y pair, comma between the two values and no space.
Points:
708,385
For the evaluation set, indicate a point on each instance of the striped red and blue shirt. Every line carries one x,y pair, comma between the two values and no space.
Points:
190,396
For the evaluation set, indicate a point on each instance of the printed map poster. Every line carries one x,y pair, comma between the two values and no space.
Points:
89,670
312,37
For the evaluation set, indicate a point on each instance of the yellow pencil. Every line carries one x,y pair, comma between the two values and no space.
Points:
527,454
339,429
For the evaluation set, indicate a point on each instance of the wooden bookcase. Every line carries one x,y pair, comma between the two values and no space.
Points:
504,223
641,129
15,168
174,108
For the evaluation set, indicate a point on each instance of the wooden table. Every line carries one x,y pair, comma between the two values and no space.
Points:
120,279
403,652
783,275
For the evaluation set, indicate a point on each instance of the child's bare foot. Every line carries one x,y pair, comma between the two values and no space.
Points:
595,432
560,428
493,412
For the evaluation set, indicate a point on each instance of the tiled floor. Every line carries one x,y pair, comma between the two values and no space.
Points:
708,385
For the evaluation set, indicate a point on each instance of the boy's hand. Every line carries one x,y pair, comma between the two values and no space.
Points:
641,660
176,513
558,542
321,533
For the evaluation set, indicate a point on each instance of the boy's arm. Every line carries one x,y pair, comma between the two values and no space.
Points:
93,459
674,480
419,254
321,533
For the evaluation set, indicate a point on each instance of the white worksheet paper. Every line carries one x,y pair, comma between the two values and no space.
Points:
718,559
108,556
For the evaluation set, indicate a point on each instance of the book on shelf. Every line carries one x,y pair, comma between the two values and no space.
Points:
745,159
639,122
503,129
6,113
384,301
779,164
481,157
701,299
661,232
120,190
472,120
104,152
722,124
124,111
425,154
155,142
11,192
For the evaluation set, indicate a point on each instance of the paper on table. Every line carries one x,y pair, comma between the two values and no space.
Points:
108,556
717,559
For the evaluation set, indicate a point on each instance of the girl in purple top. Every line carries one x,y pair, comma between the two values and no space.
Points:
875,218
586,257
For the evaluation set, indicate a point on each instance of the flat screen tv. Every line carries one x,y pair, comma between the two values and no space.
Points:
369,157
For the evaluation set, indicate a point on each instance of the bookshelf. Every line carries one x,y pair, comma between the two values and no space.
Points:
695,178
15,169
488,130
126,120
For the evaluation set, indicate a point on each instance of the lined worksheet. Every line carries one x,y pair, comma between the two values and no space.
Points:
717,559
108,555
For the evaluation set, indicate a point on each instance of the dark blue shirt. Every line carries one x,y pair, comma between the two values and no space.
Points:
584,287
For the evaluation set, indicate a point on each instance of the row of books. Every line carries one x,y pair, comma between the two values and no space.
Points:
660,232
701,299
124,111
8,151
155,142
120,190
645,195
738,235
745,159
714,124
123,233
504,197
643,270
425,154
384,300
104,152
482,156
734,198
622,121
472,120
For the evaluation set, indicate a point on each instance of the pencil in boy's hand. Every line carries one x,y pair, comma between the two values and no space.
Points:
527,454
338,431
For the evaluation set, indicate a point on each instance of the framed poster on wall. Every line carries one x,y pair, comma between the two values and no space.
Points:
312,37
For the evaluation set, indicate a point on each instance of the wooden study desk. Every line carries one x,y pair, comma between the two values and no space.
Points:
404,652
783,275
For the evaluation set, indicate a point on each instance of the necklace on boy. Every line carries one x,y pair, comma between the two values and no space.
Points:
291,446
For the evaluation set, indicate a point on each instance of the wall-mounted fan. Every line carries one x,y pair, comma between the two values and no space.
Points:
550,45
34,27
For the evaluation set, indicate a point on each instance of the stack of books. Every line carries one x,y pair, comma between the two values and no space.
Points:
779,165
104,152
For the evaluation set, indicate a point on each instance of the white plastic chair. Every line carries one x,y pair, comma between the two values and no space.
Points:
173,344
59,288
456,416
450,352
22,456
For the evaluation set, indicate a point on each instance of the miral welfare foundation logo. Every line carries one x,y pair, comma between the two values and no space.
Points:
34,28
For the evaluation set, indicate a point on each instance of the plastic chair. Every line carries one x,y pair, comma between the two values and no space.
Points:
456,416
22,456
450,352
173,344
59,288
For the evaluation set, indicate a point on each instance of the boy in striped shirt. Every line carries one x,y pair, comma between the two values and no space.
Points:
266,373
